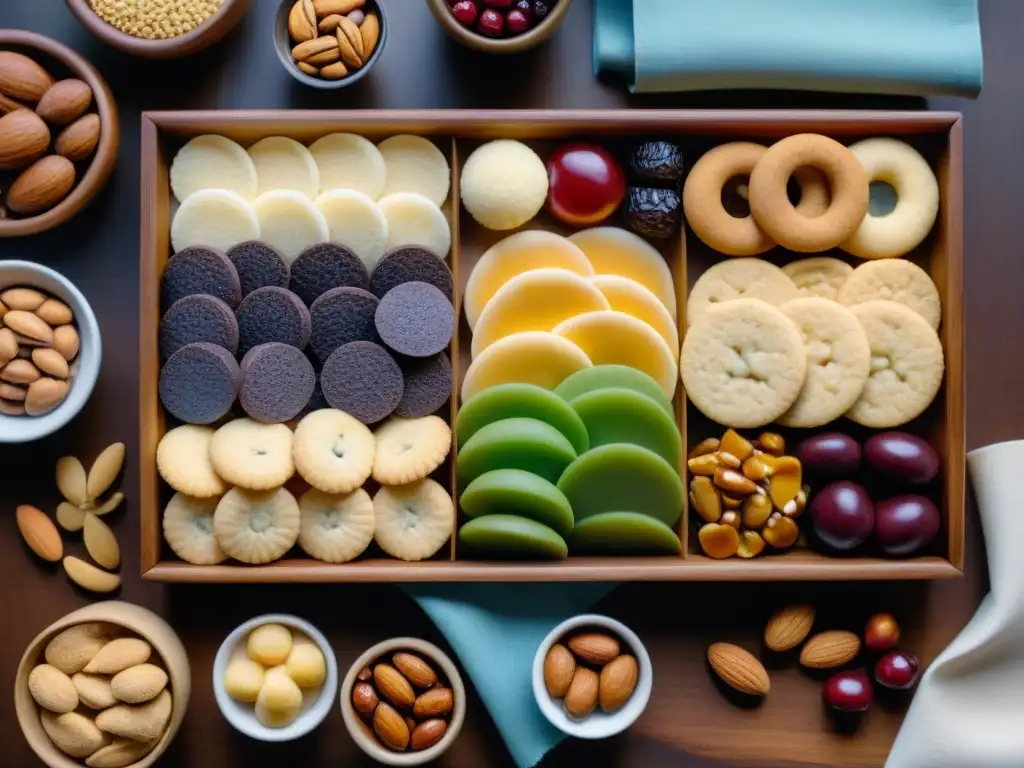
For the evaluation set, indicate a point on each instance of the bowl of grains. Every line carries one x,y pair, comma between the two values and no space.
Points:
159,29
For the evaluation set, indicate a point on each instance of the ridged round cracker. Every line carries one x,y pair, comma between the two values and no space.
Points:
333,451
256,527
335,528
413,521
188,529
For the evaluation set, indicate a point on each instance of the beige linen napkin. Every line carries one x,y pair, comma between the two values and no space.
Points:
969,709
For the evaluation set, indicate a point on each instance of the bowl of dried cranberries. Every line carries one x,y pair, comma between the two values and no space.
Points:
500,26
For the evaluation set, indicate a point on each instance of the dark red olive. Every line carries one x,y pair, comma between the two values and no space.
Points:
842,514
903,456
897,670
830,454
905,524
848,691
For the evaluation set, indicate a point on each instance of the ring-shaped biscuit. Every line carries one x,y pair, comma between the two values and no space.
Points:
848,186
917,200
719,229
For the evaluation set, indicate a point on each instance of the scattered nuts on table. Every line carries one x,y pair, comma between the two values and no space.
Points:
333,38
589,670
739,669
788,627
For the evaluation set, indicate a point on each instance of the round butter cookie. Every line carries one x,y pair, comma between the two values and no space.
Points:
335,528
820,276
188,529
289,222
738,278
413,521
213,162
348,161
414,220
333,451
253,455
256,527
183,461
410,449
743,363
906,365
356,222
283,163
838,361
894,280
215,218
415,165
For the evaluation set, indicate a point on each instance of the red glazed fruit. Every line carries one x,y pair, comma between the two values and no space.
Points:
518,22
903,456
465,12
491,23
882,632
585,184
843,515
904,524
848,692
897,670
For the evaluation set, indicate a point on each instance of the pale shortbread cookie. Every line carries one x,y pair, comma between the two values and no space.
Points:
743,278
335,528
414,220
289,222
413,521
838,361
348,161
256,527
215,218
183,461
818,276
253,455
213,162
283,163
415,165
188,529
333,451
743,363
410,449
894,280
356,222
906,365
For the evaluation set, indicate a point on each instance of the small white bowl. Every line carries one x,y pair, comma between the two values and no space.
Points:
598,725
24,429
361,733
315,704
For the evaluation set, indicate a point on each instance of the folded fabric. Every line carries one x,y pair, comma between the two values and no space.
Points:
969,708
495,630
910,47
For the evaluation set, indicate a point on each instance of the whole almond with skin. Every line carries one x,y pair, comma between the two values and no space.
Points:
24,138
346,51
434,703
830,649
41,186
22,78
559,666
393,686
340,7
7,104
334,71
19,371
8,346
369,30
44,395
27,299
100,542
29,325
25,342
64,101
415,669
104,471
78,140
50,361
309,69
12,408
390,727
789,627
329,24
89,576
739,669
302,25
581,698
427,734
12,392
39,533
71,480
54,312
351,31
305,51
594,647
617,682
66,341
364,698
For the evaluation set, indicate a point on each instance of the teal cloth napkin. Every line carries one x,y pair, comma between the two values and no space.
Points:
495,629
909,47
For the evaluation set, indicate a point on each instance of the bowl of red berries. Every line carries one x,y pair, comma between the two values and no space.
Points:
499,26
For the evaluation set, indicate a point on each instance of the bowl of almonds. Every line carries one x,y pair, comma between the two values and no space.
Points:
403,702
329,44
50,351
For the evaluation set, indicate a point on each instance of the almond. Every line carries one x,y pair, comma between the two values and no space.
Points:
89,576
105,470
78,140
364,698
8,104
66,341
739,669
19,371
39,533
329,24
41,186
52,689
120,753
334,71
617,683
50,361
8,345
21,78
370,32
302,21
559,666
64,102
595,648
29,325
390,727
309,69
110,504
74,734
351,31
119,654
94,690
581,698
44,395
415,669
392,686
142,722
54,312
100,542
11,408
70,516
830,649
315,47
76,646
340,7
789,627
24,138
346,51
427,734
434,703
12,392
27,299
138,684
71,480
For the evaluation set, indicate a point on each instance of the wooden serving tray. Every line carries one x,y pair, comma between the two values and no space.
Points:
938,135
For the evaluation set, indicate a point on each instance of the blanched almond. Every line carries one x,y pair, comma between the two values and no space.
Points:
44,395
65,341
52,689
90,577
73,734
54,312
100,542
94,690
76,646
138,684
27,299
118,655
50,361
120,753
110,504
70,517
105,470
20,371
29,325
71,481
142,722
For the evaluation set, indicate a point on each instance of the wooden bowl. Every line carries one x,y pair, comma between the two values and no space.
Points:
206,34
518,44
140,621
61,61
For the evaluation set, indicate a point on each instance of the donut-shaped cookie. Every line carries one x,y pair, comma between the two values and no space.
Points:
719,229
776,215
917,200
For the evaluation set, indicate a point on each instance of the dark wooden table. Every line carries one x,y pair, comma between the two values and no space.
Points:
687,715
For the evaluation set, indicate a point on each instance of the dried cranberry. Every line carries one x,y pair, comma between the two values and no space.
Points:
518,22
465,12
491,23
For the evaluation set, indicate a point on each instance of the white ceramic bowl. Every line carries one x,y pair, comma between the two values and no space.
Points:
24,429
315,703
598,725
363,736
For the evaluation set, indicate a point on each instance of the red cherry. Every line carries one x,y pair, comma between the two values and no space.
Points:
882,632
518,22
465,12
491,23
585,184
848,691
897,670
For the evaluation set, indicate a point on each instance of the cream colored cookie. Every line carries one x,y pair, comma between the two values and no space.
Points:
290,222
838,361
894,280
738,278
253,455
183,461
355,221
818,276
410,449
216,218
414,220
906,365
333,451
413,521
188,530
348,161
743,363
283,163
256,527
213,162
415,164
335,528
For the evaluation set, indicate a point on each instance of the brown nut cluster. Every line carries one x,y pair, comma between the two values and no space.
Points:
748,493
592,670
405,703
38,348
333,38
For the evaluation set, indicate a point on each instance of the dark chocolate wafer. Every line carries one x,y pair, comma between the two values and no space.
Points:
324,266
277,382
363,380
199,269
415,319
272,314
199,383
258,266
342,315
428,385
199,317
409,263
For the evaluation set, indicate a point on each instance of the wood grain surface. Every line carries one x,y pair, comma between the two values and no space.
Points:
689,721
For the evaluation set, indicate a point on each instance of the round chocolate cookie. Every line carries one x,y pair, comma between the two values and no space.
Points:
428,385
200,317
199,383
272,314
363,380
258,266
201,270
342,315
409,263
415,319
277,382
322,267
